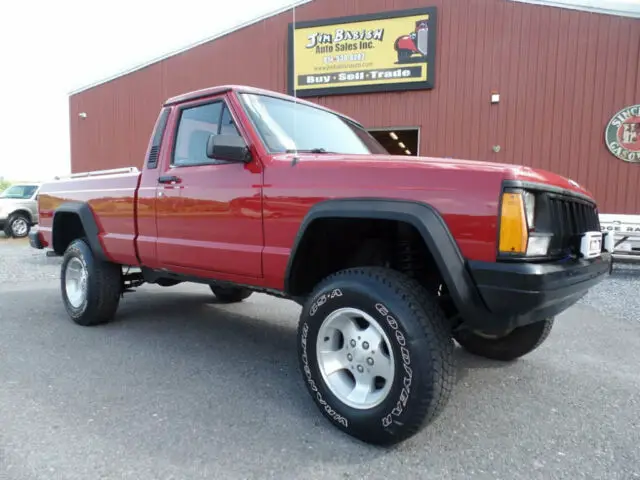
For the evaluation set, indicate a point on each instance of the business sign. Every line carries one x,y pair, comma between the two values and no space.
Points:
380,52
622,134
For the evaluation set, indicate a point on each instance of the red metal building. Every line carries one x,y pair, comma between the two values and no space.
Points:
509,81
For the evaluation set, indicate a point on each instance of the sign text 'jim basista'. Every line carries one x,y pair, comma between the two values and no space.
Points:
369,53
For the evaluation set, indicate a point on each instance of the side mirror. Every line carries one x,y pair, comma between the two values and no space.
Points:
231,148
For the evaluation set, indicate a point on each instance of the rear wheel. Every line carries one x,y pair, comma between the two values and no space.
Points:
516,343
375,353
91,288
230,294
17,226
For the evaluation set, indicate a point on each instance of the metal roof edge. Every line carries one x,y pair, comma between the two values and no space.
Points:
189,47
630,11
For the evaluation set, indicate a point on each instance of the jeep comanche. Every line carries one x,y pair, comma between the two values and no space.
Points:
392,258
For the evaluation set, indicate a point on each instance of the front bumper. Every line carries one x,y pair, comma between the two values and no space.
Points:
517,294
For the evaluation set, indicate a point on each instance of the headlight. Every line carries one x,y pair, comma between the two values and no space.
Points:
517,226
538,245
530,208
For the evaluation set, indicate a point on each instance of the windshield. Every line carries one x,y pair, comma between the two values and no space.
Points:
285,126
19,191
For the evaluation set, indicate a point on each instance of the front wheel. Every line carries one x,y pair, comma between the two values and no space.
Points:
91,288
517,343
17,226
375,353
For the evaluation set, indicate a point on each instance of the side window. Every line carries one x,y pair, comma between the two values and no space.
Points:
197,124
227,125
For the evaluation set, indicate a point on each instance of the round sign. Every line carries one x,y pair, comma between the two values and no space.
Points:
622,134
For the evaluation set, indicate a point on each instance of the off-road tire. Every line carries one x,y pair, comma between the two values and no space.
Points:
230,294
424,372
8,227
517,343
104,286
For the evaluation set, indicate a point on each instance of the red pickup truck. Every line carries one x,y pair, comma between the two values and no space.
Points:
392,258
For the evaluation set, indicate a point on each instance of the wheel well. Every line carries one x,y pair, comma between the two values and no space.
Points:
24,213
332,244
67,227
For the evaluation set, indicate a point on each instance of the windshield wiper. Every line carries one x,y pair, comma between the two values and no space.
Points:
309,150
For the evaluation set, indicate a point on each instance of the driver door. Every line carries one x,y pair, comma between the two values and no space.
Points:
215,224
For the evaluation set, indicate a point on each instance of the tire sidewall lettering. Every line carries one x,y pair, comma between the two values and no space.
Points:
405,356
322,299
331,412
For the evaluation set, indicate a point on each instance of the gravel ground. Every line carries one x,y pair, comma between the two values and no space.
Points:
182,388
19,263
619,295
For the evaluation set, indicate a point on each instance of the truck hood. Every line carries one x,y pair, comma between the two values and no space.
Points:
507,171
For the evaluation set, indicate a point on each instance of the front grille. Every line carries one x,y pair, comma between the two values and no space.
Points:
570,218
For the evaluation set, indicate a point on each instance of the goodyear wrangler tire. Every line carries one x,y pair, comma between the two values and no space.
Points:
90,287
375,353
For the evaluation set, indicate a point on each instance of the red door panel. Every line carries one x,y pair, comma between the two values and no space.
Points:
210,217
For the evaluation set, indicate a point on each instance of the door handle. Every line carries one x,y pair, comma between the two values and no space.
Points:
168,179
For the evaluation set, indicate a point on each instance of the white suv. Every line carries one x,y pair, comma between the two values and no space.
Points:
19,209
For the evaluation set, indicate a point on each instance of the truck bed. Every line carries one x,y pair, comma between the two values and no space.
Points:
111,195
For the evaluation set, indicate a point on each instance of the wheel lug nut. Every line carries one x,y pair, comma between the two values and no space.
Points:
365,345
370,361
353,343
360,368
349,357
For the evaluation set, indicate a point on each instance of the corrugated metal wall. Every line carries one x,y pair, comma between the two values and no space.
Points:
561,75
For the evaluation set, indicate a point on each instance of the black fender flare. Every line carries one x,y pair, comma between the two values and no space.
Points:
89,224
427,221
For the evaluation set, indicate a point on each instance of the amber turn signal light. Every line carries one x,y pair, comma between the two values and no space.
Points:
514,232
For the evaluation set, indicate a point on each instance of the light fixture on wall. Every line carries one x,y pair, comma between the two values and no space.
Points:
82,114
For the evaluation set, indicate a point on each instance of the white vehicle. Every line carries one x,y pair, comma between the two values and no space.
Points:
19,209
626,230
